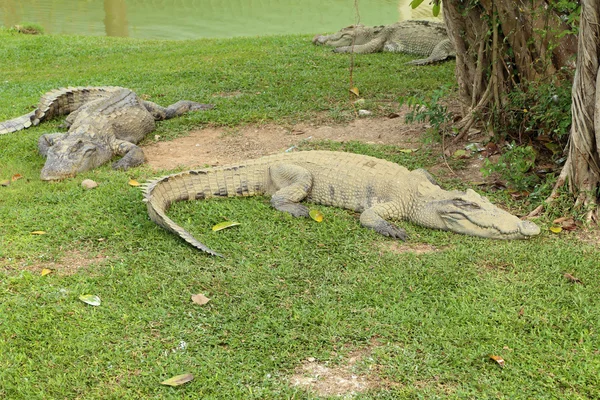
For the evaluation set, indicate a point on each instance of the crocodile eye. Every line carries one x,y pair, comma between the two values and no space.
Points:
466,205
76,147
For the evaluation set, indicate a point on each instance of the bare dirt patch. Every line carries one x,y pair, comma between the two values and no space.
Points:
221,146
402,247
71,262
337,380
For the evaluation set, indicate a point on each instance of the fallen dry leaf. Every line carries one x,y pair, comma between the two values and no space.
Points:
46,271
178,380
355,91
133,182
572,278
5,183
498,360
38,233
16,177
566,223
200,299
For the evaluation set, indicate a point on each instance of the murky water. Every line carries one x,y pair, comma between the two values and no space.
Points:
183,19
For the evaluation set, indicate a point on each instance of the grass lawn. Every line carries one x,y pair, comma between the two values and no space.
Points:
289,289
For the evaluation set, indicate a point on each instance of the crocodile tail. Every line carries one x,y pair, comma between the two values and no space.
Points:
242,180
54,103
16,124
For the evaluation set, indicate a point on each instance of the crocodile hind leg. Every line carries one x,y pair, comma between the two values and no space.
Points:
46,141
440,52
132,155
161,113
293,184
375,218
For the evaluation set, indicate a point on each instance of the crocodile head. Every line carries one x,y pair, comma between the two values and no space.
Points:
359,33
70,156
468,213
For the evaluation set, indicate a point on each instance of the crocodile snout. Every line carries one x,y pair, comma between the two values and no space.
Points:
528,228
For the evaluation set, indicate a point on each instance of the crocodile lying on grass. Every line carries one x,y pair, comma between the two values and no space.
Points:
103,122
422,38
379,189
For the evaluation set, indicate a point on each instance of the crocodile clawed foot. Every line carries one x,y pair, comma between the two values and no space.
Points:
295,209
391,230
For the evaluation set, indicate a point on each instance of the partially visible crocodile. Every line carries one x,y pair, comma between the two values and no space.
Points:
379,189
422,38
103,122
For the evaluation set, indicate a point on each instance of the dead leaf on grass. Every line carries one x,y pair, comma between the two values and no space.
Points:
178,380
5,183
38,233
46,271
354,91
499,360
133,182
572,278
316,215
16,177
566,223
90,299
224,225
200,299
555,229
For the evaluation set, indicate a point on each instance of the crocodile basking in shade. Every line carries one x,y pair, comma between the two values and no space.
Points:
102,121
421,38
380,190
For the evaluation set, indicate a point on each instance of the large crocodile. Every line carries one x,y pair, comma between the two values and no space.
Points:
422,38
379,189
102,121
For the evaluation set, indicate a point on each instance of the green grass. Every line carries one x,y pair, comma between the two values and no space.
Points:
288,288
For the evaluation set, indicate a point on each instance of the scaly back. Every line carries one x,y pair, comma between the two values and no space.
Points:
57,102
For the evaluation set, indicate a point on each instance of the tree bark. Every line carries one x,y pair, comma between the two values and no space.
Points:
582,168
501,45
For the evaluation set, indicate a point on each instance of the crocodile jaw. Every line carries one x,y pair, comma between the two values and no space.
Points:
67,158
508,226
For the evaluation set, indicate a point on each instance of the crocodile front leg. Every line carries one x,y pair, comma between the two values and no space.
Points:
132,155
46,141
294,183
373,46
161,113
375,218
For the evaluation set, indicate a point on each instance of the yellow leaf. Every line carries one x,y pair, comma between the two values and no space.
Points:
200,299
5,183
407,151
498,359
355,91
46,271
316,215
555,229
16,177
90,299
178,380
38,233
133,182
224,225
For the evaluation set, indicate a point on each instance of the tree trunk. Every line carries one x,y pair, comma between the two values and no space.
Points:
500,45
582,168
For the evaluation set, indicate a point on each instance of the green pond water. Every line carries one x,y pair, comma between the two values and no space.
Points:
187,19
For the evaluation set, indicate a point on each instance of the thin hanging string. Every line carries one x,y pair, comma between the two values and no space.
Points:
356,22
